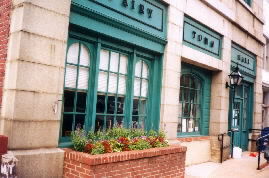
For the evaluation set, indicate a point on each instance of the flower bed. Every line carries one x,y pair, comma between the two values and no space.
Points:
116,140
159,162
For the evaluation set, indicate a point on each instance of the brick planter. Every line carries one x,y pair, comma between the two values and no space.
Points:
155,162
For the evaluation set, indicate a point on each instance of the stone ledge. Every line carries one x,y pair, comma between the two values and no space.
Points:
88,159
191,139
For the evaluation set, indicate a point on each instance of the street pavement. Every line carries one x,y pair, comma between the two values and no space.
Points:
245,167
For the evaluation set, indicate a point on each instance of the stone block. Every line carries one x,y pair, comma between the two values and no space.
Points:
173,33
170,129
41,163
36,49
170,96
34,77
171,79
216,128
173,47
191,55
27,18
25,105
175,16
170,113
216,148
172,62
31,134
195,156
219,103
218,115
59,6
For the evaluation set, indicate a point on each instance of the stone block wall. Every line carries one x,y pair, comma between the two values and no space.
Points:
5,11
158,162
216,147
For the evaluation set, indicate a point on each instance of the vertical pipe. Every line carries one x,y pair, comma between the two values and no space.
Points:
232,144
259,159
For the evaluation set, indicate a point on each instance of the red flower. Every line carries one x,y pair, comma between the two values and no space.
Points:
107,146
88,148
125,142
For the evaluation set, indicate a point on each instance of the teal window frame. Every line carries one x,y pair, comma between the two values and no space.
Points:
152,59
249,2
205,78
190,103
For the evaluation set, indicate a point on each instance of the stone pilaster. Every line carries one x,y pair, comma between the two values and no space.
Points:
34,85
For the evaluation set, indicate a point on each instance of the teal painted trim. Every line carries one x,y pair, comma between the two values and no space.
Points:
249,2
245,59
114,11
191,134
87,19
65,145
205,77
200,37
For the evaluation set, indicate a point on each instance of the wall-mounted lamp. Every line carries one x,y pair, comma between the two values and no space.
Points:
235,78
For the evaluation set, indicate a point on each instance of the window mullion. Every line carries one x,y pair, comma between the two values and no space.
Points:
116,97
106,94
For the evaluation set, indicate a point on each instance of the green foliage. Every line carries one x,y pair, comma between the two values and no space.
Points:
98,149
139,144
79,139
117,140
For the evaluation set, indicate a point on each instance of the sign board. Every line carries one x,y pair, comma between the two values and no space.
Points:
202,38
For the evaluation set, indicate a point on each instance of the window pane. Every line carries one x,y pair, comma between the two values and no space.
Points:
79,122
112,86
99,123
190,125
100,105
187,81
145,70
109,122
84,56
138,122
67,125
123,64
72,54
114,62
119,121
138,67
122,85
81,101
144,89
137,87
135,106
142,106
102,81
179,126
104,58
83,78
120,105
70,76
69,97
111,104
184,125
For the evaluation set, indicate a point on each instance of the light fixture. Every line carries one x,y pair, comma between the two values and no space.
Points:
235,78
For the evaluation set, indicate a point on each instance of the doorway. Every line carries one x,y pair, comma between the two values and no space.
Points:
241,114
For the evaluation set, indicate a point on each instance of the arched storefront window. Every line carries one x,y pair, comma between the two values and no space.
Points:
190,104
